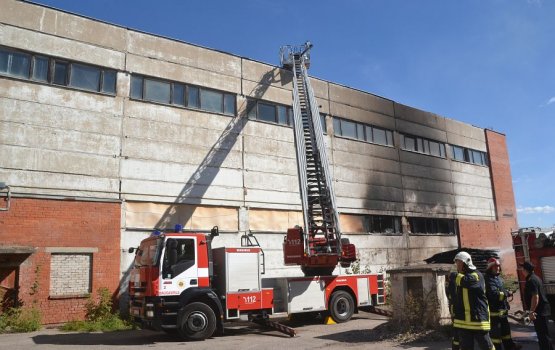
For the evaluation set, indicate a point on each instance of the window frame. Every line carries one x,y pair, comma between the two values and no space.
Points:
362,132
52,61
422,145
253,111
432,224
468,156
187,90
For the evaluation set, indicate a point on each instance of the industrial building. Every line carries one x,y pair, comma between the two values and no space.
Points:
107,133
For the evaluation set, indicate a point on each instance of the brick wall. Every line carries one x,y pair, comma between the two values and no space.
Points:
496,234
45,224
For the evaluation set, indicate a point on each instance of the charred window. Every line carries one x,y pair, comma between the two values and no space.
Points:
383,224
422,145
362,132
432,226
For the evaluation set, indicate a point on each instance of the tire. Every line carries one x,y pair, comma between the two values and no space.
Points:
342,306
196,321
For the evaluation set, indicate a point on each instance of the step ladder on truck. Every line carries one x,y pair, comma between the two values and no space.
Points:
180,283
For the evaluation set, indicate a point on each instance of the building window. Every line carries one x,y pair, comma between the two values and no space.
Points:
179,94
269,112
383,224
51,70
70,274
157,91
422,145
469,155
362,132
323,122
432,226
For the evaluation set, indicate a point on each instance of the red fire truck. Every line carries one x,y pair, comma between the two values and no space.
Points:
180,282
538,247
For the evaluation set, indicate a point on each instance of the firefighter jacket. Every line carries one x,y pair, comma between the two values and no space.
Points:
470,305
451,291
497,295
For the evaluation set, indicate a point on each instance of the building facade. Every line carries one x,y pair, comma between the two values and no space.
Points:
107,133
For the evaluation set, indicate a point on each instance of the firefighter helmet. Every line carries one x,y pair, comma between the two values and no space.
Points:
466,259
493,262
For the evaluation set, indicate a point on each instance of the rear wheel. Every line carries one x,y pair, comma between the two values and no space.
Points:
342,306
196,321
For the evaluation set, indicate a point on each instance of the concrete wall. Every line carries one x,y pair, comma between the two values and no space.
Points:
170,165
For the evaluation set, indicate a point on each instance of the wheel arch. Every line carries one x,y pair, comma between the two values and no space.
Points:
208,297
348,290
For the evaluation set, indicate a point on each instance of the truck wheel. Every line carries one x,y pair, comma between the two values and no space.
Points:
342,306
196,321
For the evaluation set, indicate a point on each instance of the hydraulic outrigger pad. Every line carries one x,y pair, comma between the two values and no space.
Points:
265,321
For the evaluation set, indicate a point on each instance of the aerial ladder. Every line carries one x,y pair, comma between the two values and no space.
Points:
317,246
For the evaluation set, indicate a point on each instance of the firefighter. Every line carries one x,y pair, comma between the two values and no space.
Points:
451,292
537,305
497,294
470,306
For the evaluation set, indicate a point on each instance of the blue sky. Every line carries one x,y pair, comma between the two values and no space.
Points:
490,63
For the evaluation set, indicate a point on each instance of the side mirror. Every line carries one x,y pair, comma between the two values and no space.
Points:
131,250
215,232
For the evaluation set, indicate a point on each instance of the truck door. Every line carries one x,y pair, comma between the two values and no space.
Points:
180,265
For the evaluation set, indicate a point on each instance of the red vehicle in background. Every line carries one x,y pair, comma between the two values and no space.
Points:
538,247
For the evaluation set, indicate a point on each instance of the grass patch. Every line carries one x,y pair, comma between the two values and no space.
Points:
100,316
20,320
113,323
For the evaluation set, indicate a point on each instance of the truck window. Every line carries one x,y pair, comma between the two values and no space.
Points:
179,256
147,255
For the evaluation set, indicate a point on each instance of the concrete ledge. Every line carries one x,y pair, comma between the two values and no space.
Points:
71,250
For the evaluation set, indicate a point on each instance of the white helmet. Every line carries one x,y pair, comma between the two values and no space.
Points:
465,258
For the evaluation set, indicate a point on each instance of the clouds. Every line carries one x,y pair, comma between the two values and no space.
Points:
546,209
551,100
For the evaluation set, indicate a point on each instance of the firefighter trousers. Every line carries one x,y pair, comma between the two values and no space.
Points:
500,333
469,337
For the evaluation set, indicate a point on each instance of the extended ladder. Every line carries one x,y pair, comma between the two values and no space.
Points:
322,235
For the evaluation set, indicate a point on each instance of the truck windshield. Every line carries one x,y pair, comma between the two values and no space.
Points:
148,253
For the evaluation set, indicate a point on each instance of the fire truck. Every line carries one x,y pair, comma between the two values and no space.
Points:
179,282
538,247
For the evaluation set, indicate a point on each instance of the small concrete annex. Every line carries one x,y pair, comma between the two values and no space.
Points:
107,133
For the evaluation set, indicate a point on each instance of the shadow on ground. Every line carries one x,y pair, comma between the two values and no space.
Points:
386,332
141,337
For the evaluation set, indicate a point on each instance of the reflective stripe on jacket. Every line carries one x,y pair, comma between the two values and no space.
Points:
471,304
497,296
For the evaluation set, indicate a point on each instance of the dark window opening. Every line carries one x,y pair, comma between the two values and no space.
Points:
432,226
383,224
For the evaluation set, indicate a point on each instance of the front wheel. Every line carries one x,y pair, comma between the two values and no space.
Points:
196,321
342,306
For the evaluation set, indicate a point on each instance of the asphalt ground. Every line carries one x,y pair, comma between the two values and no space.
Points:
362,332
